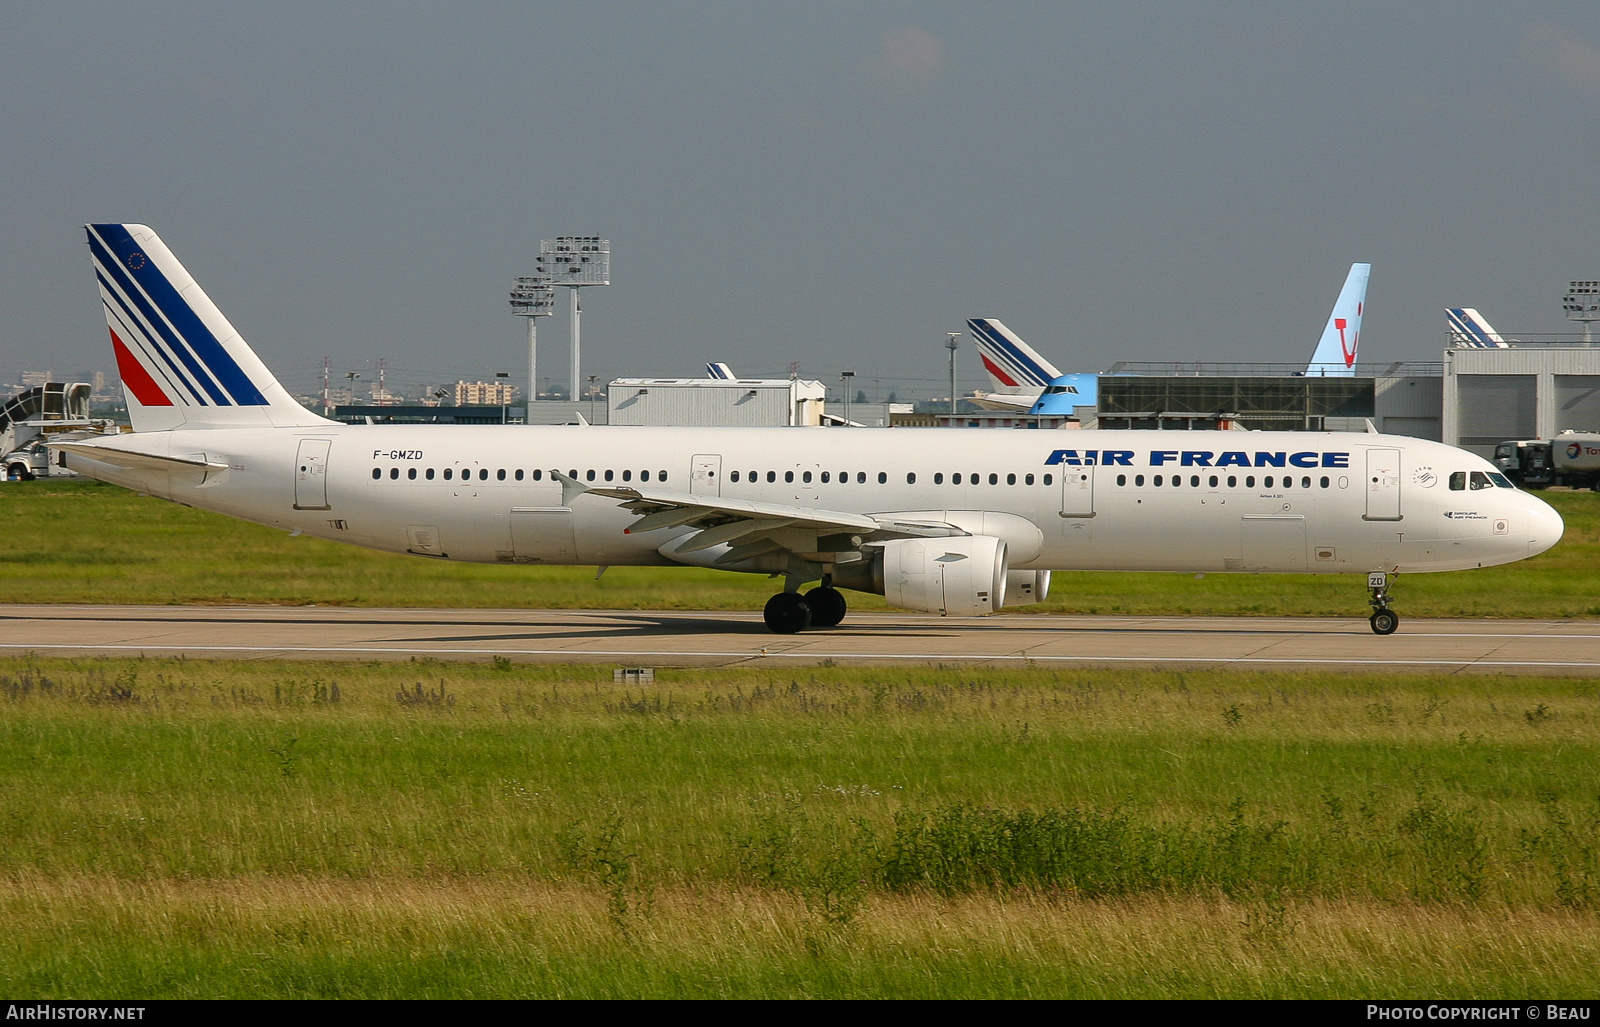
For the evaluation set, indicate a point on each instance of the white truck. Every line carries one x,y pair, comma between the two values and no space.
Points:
49,411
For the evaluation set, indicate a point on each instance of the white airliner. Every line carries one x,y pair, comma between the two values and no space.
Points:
950,522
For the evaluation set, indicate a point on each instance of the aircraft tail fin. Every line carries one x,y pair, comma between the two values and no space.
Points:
1469,330
718,369
1335,354
1012,364
183,365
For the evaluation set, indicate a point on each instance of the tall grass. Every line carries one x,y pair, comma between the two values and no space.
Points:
89,542
434,829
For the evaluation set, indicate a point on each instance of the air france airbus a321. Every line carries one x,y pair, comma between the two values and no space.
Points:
950,522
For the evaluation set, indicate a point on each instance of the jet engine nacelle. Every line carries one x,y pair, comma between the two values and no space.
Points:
964,575
1024,587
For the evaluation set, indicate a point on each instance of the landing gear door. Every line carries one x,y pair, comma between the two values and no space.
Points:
311,475
1383,485
705,478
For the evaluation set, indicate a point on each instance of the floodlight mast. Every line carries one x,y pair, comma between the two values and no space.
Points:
532,297
1582,303
952,346
576,261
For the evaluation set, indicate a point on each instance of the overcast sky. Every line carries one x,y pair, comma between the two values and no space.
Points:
837,184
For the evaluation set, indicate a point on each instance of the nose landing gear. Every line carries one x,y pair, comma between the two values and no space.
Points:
1383,619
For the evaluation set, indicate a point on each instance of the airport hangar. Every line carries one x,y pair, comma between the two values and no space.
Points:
1473,398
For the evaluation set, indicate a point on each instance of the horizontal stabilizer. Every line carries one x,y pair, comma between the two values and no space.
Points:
127,458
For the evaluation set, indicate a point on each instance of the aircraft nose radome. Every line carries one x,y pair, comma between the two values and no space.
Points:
1545,527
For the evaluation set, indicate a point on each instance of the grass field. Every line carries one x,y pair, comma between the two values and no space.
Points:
182,828
75,542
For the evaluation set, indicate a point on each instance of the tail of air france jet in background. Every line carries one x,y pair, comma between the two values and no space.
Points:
1013,365
719,370
1469,330
182,364
1335,354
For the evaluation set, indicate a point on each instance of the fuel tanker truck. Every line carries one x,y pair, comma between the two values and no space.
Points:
1571,458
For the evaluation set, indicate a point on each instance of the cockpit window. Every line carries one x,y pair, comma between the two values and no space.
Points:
1458,481
1500,481
1481,481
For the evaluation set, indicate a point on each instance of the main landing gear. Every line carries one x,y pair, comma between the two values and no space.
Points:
789,613
1383,619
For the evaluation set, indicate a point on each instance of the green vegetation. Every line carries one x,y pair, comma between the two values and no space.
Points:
75,542
182,828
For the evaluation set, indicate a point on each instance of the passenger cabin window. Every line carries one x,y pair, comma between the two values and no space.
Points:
883,478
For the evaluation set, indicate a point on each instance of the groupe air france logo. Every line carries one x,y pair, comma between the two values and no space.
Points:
135,260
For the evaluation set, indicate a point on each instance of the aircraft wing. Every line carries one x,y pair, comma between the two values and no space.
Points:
751,528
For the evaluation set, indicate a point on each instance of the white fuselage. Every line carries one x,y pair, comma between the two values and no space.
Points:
1285,502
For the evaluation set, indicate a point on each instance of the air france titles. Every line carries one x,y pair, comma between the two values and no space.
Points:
1197,458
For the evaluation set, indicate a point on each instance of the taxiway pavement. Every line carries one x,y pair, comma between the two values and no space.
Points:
672,638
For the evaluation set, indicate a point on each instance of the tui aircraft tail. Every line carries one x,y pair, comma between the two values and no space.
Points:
1336,350
182,364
